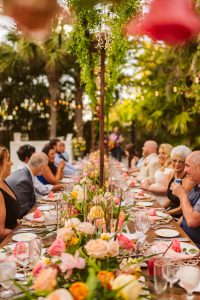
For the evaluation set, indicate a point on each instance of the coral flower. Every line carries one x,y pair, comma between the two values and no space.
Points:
105,277
79,290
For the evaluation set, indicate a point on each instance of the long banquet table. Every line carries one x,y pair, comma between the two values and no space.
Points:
178,292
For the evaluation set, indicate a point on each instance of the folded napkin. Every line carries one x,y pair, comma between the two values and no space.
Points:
160,247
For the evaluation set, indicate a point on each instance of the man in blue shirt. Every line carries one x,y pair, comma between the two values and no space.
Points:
190,221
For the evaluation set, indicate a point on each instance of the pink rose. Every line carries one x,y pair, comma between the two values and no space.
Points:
97,248
124,242
60,294
38,268
117,200
86,228
57,247
70,262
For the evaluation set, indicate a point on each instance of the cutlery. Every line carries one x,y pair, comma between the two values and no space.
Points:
181,239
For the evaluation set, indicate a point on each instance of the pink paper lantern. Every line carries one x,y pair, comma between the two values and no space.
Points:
171,21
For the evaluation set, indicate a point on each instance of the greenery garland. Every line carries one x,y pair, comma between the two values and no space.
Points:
88,18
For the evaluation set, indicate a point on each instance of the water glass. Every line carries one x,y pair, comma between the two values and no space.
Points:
160,282
189,278
35,250
142,221
171,273
22,254
7,275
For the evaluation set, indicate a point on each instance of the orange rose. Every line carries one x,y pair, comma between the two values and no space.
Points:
79,290
105,277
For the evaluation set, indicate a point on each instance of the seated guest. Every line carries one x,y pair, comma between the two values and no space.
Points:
22,182
178,157
9,208
161,178
61,154
51,174
24,153
190,221
132,156
150,163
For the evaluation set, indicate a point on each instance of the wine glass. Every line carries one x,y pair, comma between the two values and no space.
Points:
142,221
128,198
160,282
22,254
7,275
35,249
171,273
189,278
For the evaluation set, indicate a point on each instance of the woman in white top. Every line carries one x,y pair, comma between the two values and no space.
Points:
160,184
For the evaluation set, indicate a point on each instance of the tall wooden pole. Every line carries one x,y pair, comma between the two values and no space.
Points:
101,119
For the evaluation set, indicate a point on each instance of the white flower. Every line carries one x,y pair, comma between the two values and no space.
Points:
73,222
97,248
80,191
86,228
129,287
60,294
113,249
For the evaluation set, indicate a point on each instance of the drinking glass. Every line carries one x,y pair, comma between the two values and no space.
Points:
160,282
22,253
142,221
171,273
189,278
35,249
7,275
128,198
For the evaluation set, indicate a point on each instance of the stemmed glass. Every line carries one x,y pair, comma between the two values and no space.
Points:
142,221
160,282
35,249
189,278
7,275
22,253
171,273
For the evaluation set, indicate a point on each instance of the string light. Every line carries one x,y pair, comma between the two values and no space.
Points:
175,89
196,79
156,93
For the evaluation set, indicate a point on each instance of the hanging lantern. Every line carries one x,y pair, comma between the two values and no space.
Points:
173,22
33,17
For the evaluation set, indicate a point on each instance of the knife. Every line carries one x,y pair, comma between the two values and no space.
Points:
181,239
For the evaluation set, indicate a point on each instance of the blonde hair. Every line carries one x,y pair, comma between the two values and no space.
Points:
167,148
3,155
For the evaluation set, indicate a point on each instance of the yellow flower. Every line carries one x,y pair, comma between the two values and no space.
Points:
74,241
105,236
74,194
47,261
96,212
79,290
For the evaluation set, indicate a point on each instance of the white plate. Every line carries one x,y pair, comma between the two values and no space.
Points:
66,180
24,237
45,207
56,197
144,203
166,232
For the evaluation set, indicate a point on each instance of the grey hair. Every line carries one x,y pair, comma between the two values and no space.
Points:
38,159
181,150
195,157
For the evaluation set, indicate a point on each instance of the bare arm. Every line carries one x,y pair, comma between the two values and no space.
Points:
3,231
50,177
192,216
